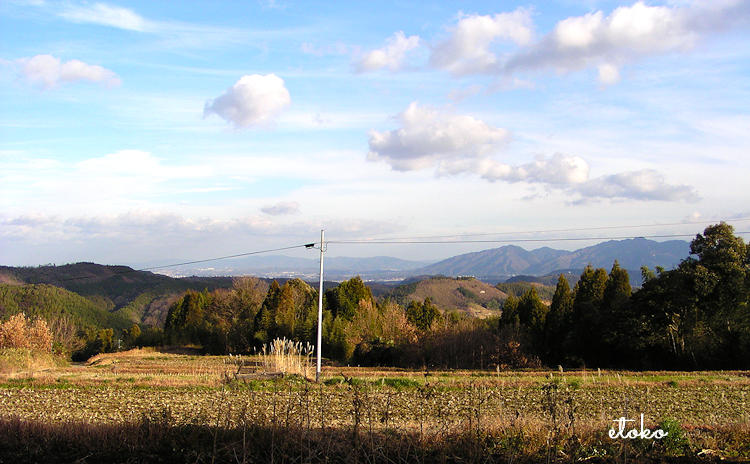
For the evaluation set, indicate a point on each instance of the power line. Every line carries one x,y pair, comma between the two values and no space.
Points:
238,255
511,240
306,245
424,240
579,229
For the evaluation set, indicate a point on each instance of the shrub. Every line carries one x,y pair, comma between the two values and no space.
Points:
676,442
19,332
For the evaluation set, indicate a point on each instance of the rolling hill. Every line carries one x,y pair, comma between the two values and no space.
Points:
466,295
118,291
54,303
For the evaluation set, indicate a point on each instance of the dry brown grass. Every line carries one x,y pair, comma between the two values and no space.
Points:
445,293
16,362
317,424
509,412
288,357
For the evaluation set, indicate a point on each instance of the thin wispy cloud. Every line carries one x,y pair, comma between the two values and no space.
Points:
49,72
281,208
391,56
171,33
108,15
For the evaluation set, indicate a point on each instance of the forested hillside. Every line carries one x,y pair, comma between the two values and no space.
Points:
51,303
138,296
693,316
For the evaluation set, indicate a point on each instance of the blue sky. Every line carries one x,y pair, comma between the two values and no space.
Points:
149,132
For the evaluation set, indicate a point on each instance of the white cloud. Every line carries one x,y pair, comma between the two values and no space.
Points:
254,99
468,51
645,184
558,170
571,174
106,15
626,34
49,71
608,74
281,208
146,237
461,144
429,138
391,56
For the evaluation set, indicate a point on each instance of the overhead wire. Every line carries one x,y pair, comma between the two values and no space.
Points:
428,239
542,231
511,240
238,255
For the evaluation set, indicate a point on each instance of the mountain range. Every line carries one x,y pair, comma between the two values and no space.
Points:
336,268
497,264
131,296
512,260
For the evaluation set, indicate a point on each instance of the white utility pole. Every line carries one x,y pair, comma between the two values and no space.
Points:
320,308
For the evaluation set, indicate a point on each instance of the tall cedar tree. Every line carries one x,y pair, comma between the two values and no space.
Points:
265,320
185,318
589,292
615,318
532,314
558,322
509,317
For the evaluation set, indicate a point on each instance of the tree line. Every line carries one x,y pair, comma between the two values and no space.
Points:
694,316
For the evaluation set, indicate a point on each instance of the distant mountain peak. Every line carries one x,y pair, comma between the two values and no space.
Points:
511,260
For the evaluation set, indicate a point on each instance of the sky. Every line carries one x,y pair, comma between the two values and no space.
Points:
146,133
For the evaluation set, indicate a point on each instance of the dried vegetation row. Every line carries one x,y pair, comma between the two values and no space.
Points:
386,415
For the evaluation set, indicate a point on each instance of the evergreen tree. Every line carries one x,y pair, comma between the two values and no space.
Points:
185,319
615,317
697,315
344,299
265,320
558,324
589,292
509,317
422,315
532,313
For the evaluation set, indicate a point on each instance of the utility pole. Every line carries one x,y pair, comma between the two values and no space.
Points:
320,308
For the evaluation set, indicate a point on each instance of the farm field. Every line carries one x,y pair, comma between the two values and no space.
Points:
546,411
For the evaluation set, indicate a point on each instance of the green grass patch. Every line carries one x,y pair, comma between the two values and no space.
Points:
399,383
